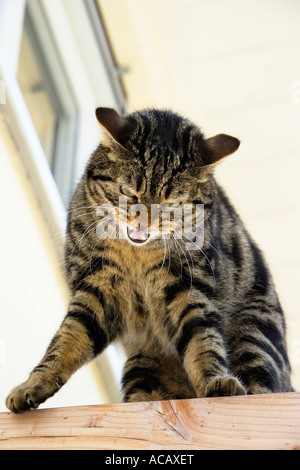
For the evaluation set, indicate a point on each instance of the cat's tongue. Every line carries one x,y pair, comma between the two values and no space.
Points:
137,236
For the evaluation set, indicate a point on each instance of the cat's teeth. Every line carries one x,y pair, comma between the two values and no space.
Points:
137,236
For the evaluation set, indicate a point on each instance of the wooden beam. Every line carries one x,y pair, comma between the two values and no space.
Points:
241,422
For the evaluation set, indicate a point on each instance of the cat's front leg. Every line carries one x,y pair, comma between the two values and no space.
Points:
202,349
82,335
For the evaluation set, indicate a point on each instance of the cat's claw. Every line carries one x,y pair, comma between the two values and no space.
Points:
20,400
224,386
30,394
31,404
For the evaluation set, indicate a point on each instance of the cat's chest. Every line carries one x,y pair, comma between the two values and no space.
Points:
143,318
142,295
133,284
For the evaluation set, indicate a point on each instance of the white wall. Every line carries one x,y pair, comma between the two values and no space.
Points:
33,295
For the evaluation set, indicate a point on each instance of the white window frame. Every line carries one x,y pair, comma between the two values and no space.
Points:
88,75
60,94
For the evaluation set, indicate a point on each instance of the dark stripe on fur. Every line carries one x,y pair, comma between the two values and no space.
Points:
194,326
98,177
95,333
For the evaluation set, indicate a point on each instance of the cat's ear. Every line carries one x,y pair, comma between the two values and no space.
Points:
119,127
220,146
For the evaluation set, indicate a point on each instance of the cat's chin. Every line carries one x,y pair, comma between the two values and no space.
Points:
137,237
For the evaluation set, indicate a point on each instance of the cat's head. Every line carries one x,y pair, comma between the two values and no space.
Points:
157,159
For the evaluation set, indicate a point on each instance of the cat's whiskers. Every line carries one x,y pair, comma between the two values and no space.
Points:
211,267
89,229
106,221
215,224
102,251
165,255
93,206
187,261
164,260
169,257
110,248
190,254
212,246
109,236
179,254
82,214
85,233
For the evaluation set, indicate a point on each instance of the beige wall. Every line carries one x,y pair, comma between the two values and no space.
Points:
232,66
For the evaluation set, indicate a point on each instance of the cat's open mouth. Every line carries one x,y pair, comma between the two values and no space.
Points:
137,235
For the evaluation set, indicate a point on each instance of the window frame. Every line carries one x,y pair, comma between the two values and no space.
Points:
61,97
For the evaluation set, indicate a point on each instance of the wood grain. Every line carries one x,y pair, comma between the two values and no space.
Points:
241,422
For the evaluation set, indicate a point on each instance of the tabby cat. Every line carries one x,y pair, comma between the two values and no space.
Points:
193,323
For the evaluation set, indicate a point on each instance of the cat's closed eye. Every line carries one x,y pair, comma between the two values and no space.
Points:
127,192
172,205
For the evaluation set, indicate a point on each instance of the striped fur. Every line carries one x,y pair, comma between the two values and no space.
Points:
193,323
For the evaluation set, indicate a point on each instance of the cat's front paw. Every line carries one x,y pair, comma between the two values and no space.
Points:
32,393
224,386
